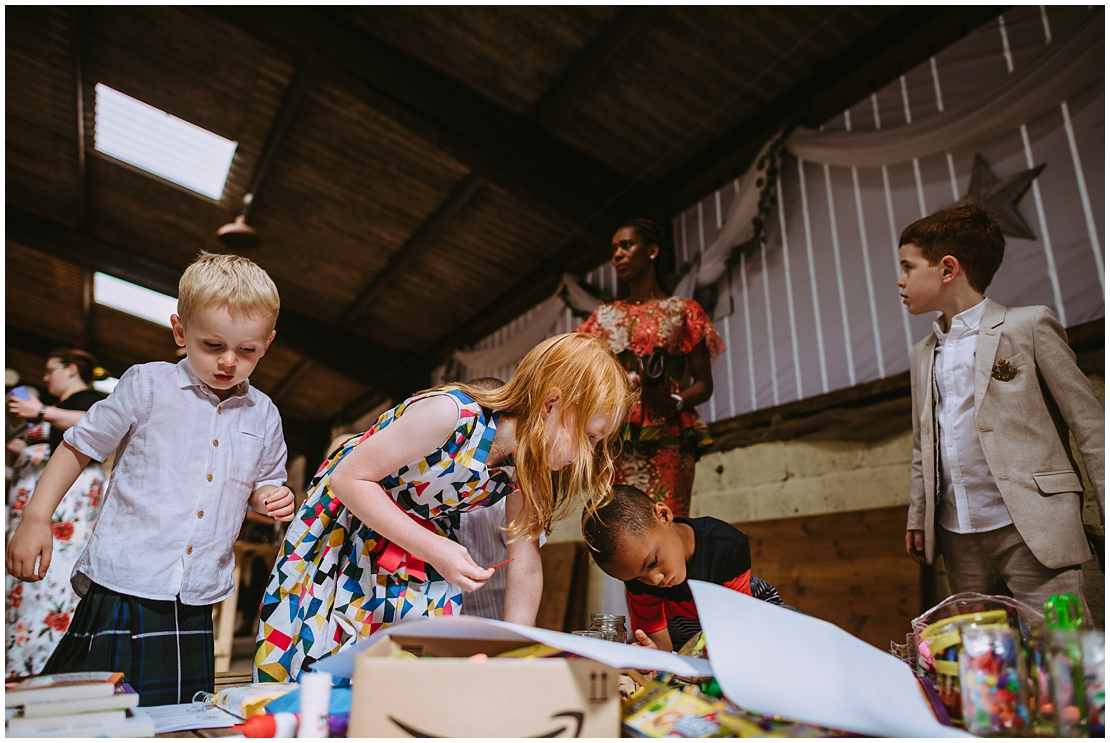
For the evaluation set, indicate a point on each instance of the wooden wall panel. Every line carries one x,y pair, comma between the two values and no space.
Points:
565,574
849,568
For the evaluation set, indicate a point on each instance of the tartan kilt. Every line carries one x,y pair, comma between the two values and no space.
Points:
164,648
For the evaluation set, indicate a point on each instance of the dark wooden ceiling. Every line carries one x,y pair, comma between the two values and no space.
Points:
421,175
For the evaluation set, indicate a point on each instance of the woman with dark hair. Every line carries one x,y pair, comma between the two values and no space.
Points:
39,613
665,341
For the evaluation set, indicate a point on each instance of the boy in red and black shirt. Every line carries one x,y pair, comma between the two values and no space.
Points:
655,553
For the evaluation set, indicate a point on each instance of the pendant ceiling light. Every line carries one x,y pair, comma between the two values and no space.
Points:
239,235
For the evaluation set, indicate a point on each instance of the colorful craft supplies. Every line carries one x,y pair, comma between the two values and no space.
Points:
992,682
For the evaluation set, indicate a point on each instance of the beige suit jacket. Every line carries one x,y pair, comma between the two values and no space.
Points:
1023,427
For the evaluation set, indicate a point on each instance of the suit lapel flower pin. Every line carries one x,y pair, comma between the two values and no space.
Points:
1003,372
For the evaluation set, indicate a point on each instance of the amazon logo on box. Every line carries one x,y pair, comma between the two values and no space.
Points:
445,693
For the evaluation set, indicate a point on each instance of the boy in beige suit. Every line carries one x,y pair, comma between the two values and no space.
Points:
995,391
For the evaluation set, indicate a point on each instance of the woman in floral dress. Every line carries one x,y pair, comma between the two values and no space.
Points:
663,340
38,614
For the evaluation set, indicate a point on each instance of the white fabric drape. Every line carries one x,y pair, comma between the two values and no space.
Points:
543,317
1056,74
709,266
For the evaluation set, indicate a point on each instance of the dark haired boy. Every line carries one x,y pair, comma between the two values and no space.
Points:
995,391
655,553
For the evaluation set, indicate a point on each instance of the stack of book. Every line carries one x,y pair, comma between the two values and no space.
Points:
74,705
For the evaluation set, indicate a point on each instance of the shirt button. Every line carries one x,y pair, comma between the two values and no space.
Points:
215,442
189,550
200,514
219,408
209,477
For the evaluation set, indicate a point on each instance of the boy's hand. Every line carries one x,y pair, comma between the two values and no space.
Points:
30,542
643,641
279,504
915,545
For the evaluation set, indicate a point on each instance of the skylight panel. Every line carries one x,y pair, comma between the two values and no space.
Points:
161,144
133,299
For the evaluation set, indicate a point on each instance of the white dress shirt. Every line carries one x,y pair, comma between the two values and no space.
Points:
185,465
970,499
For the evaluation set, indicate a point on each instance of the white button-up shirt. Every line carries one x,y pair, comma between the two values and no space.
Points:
185,465
970,499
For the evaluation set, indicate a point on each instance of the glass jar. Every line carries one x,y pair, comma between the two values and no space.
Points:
610,625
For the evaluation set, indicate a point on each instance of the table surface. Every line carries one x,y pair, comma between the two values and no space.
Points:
224,680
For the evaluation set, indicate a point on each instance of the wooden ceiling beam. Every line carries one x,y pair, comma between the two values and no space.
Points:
896,46
414,248
352,355
287,112
603,47
507,148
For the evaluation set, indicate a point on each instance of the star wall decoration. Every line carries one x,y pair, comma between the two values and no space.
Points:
1001,196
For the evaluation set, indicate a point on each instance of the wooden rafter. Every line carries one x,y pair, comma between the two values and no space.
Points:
606,45
412,251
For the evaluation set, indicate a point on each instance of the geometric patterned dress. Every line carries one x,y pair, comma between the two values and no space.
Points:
337,581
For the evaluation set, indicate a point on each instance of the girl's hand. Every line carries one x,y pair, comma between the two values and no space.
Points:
32,540
279,504
643,641
453,562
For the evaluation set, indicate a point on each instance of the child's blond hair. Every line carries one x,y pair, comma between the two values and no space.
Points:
591,381
225,280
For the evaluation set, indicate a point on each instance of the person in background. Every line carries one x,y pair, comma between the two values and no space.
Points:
995,391
38,614
195,445
376,541
656,553
661,340
482,531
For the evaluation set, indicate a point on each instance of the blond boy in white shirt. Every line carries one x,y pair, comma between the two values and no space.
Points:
195,445
995,391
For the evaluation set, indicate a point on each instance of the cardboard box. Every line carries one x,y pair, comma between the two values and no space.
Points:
450,695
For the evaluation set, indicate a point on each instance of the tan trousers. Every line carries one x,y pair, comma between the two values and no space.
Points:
999,562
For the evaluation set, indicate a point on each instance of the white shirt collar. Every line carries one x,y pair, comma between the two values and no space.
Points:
966,321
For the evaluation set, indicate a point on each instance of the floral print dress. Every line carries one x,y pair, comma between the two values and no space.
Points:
336,580
665,447
38,614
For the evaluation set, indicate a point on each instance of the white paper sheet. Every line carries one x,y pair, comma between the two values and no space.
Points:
171,718
775,661
342,664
